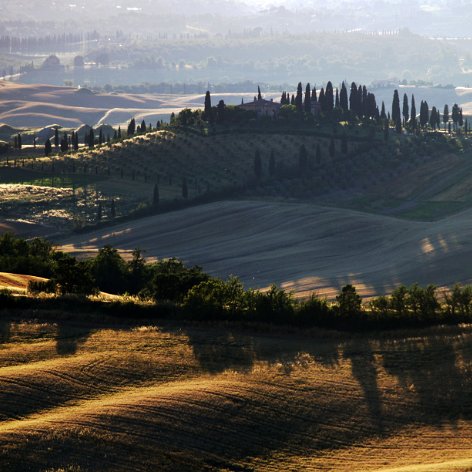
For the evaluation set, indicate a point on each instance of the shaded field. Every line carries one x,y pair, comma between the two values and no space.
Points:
161,397
301,247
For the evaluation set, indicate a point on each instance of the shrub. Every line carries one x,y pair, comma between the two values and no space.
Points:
171,280
273,305
215,298
348,301
40,286
315,311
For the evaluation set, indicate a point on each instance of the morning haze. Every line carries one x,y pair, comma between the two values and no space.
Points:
235,235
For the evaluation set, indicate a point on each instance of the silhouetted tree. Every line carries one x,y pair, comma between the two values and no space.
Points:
47,147
155,196
406,109
257,164
131,127
207,114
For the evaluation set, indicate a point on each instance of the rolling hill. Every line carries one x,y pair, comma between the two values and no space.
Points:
82,396
301,247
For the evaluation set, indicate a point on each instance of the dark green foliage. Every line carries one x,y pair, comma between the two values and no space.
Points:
271,305
71,276
302,159
406,109
332,148
184,189
349,303
214,298
307,103
343,100
47,147
207,115
396,117
171,280
131,127
155,196
257,165
272,164
109,270
19,256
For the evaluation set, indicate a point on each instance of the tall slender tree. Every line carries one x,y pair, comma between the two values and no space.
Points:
307,103
207,111
406,109
343,100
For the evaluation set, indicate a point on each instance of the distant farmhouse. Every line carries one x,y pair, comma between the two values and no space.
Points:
271,109
262,107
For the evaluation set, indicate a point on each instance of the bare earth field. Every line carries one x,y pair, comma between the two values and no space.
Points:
38,105
302,247
145,397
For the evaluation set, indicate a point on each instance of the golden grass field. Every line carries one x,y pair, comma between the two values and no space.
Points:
81,396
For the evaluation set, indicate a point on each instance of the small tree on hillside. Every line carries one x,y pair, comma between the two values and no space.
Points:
47,147
257,165
184,188
155,196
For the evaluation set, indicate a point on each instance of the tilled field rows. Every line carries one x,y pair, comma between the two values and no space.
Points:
209,398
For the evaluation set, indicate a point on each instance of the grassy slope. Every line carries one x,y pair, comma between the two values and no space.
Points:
301,246
159,398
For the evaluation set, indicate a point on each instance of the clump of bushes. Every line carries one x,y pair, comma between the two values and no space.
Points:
195,294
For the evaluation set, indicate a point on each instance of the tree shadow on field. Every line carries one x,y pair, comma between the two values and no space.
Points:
69,336
5,331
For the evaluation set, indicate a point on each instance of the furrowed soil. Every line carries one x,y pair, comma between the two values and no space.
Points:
84,396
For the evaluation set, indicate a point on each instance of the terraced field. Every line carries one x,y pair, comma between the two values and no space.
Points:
81,396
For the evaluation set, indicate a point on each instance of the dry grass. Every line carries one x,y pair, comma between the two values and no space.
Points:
80,397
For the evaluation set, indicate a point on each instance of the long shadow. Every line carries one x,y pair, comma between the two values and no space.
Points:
69,337
5,331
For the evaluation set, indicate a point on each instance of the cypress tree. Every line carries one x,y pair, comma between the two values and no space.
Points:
47,147
413,112
131,127
119,132
406,110
259,95
321,100
314,95
353,99
91,142
56,136
112,208
19,143
299,98
343,100
100,136
329,97
383,116
307,104
432,118
396,116
336,100
143,126
207,112
446,115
